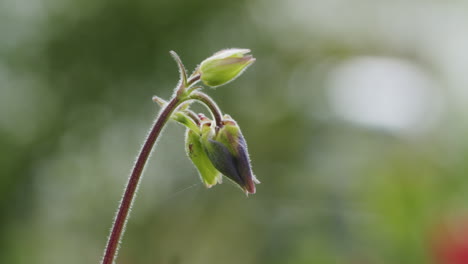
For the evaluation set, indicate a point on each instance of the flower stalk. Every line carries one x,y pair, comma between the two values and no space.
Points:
212,106
218,69
127,200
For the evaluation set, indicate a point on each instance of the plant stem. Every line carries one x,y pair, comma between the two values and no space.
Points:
193,116
211,104
133,181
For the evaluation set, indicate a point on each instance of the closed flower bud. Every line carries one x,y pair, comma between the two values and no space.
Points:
224,66
227,151
208,173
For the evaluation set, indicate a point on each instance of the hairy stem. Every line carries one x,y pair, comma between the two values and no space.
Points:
211,104
193,79
133,181
193,116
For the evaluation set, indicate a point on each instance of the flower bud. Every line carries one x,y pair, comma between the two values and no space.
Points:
227,151
208,173
224,66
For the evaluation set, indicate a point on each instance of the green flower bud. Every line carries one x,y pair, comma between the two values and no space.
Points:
224,66
227,151
208,173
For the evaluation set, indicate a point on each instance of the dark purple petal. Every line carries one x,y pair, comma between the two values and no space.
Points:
224,161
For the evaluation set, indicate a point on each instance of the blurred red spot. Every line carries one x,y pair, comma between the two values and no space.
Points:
450,242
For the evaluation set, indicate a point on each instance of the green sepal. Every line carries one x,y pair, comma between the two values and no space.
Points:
185,120
208,173
229,135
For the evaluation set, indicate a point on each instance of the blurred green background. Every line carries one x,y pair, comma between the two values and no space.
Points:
356,116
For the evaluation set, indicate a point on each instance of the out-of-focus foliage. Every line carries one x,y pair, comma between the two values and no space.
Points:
355,113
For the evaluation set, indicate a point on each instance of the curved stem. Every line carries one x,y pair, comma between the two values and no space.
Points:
192,88
193,116
133,182
211,104
193,79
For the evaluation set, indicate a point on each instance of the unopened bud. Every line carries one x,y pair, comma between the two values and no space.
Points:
227,151
224,66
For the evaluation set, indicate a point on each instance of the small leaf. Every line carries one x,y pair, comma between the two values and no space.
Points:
181,115
182,71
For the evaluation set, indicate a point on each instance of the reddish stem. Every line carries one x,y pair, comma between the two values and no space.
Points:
133,182
211,104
